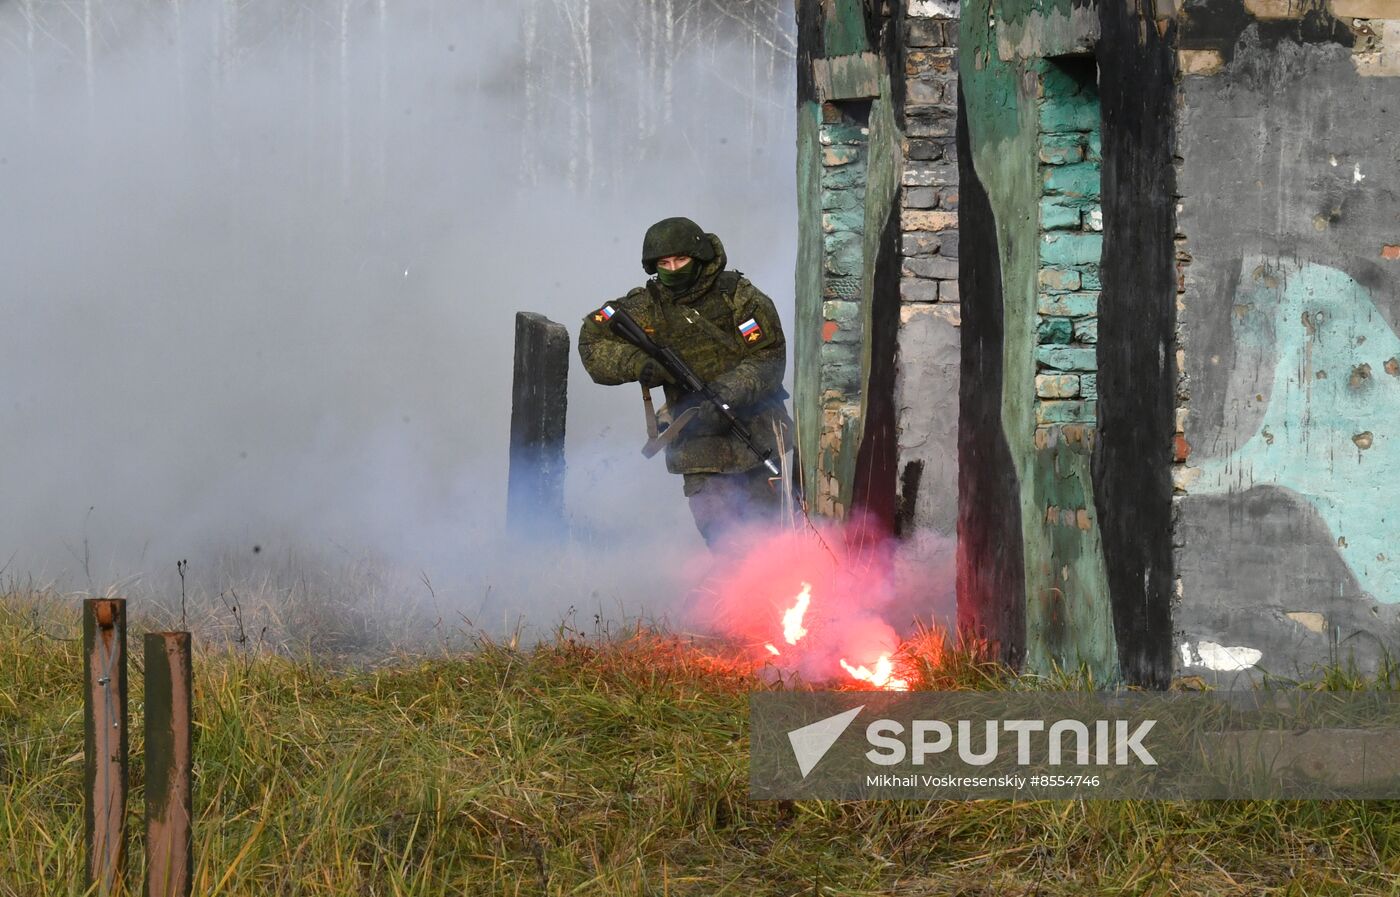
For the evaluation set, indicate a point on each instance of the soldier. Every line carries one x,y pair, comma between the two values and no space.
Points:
727,330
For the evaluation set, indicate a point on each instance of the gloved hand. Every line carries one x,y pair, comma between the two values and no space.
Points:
651,374
710,420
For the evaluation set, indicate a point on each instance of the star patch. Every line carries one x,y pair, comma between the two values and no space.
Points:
750,331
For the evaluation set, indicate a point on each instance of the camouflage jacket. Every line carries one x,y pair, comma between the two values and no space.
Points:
727,330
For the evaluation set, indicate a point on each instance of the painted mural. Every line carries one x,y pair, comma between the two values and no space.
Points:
1329,417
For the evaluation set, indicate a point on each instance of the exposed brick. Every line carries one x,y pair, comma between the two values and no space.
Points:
1058,279
1067,358
925,33
1057,386
1065,411
841,200
833,156
948,291
1057,331
842,311
915,289
1061,149
935,266
1087,331
940,59
930,174
914,219
1089,279
844,177
920,197
931,122
948,198
1080,180
1181,449
1068,305
1089,386
1390,252
844,132
950,244
1065,249
1057,213
925,150
920,242
922,92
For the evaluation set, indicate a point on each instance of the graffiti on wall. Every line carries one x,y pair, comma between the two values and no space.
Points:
1328,421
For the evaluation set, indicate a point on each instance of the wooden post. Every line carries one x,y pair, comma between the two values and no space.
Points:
539,398
169,740
105,744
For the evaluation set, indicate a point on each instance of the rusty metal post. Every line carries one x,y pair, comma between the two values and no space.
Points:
169,742
105,745
539,399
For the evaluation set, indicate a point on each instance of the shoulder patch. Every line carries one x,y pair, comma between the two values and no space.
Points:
750,331
604,314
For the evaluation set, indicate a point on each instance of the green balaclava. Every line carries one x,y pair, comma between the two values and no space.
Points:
681,278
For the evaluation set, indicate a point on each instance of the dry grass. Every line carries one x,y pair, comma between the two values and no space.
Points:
613,765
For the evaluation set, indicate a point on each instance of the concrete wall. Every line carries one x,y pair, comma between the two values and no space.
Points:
1154,249
1288,457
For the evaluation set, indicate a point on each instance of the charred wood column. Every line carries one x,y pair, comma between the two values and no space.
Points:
539,399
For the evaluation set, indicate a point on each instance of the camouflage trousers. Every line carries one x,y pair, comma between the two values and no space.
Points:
723,502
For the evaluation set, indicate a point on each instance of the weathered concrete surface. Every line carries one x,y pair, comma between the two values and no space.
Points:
926,396
1290,451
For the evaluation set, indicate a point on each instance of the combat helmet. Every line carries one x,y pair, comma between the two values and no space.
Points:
675,236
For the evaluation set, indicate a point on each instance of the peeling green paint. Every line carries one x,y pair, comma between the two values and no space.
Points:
1069,619
844,31
806,338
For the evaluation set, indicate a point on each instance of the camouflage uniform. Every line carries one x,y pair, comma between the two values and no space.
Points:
727,330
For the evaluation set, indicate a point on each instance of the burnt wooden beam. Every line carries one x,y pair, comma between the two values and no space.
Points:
169,744
539,400
104,745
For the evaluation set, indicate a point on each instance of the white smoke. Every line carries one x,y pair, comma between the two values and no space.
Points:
263,260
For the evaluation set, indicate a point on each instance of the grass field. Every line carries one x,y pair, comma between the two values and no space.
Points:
613,765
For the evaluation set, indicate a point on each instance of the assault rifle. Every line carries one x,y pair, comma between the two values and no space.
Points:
626,326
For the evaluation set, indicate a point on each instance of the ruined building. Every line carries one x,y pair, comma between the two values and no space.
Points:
1109,292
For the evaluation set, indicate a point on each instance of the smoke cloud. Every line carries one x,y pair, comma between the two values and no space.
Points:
263,260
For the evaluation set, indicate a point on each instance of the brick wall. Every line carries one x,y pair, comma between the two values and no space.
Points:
1070,156
926,379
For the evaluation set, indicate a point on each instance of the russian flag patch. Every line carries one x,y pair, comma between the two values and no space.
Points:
750,331
604,314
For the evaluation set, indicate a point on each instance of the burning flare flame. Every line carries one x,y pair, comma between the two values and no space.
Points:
882,677
793,631
792,618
